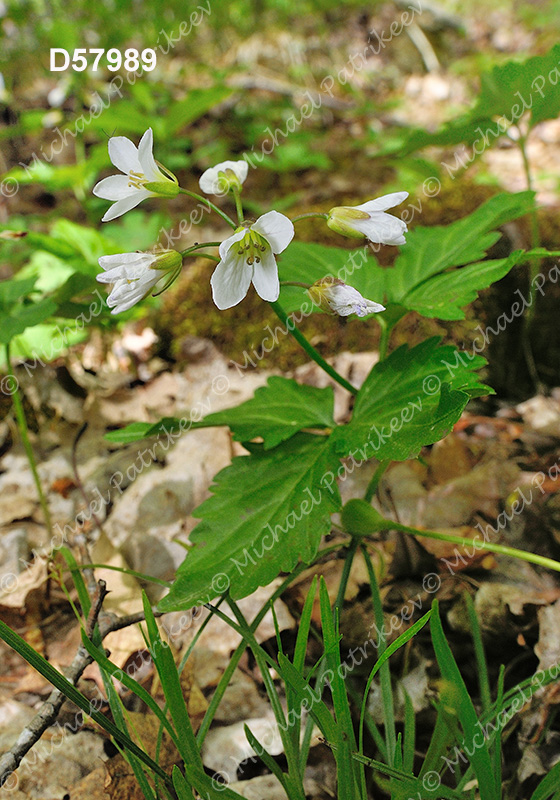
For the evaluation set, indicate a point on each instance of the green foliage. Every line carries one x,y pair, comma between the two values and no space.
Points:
512,88
409,400
436,274
508,93
17,311
268,510
276,412
457,697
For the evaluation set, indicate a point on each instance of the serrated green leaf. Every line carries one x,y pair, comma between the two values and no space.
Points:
430,251
87,242
268,510
135,431
411,399
13,290
445,295
307,262
531,85
457,131
20,317
421,279
277,412
509,92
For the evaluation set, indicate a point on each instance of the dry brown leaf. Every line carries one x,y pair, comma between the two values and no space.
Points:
120,783
92,786
458,556
449,459
480,491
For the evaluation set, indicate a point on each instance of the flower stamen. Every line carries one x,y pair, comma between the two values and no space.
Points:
137,179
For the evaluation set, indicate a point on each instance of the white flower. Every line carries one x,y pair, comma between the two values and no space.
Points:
220,179
142,177
369,220
134,275
336,297
248,256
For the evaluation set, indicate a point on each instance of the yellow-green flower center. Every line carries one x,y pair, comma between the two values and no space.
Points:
252,246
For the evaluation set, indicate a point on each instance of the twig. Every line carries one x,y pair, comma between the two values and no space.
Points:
101,593
50,709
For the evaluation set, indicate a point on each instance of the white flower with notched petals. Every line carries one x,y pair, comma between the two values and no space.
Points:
134,275
336,297
142,177
248,257
370,220
223,177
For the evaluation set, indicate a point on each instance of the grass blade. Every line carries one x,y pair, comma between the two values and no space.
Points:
461,701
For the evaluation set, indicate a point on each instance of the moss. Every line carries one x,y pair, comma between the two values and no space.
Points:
189,311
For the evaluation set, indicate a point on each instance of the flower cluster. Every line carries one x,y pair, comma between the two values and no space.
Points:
248,255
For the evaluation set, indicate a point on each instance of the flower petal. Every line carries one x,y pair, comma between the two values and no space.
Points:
382,228
265,277
125,258
230,282
130,274
123,154
210,181
115,187
382,203
146,158
227,243
276,229
345,300
124,205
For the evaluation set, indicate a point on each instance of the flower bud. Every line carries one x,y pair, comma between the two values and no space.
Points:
336,297
168,261
341,219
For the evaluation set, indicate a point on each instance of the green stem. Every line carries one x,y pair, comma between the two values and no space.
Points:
309,349
385,672
222,214
375,478
238,205
202,255
534,263
198,247
24,433
295,283
290,748
502,549
384,341
309,216
344,578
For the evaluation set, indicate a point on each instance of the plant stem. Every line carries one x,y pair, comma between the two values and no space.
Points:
534,263
375,478
24,433
309,349
238,205
344,578
295,283
222,214
310,215
461,541
384,341
202,255
534,267
198,247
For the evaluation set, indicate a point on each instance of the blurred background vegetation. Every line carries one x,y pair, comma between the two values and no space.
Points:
232,75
